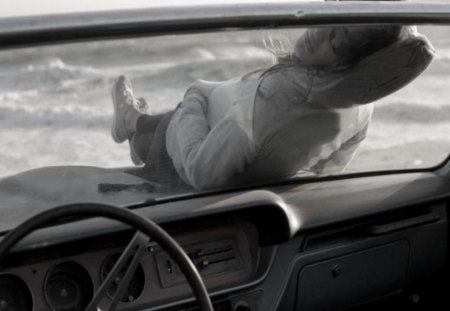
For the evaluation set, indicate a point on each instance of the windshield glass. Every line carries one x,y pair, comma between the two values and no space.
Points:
292,107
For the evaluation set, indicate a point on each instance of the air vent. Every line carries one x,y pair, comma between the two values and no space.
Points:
331,238
400,222
382,225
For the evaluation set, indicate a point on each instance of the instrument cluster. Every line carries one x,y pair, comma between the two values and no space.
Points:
66,277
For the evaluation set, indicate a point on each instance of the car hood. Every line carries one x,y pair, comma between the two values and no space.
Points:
28,193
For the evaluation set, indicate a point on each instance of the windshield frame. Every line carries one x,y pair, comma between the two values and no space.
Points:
64,28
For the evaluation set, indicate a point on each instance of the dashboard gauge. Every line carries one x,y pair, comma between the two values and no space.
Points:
14,294
68,287
136,285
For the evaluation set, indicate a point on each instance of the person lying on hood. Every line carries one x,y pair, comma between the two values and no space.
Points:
309,112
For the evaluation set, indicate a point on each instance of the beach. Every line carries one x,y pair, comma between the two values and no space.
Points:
56,109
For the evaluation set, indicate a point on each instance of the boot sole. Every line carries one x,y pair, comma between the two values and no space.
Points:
116,138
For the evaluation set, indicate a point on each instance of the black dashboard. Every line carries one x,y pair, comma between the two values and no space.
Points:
64,276
327,245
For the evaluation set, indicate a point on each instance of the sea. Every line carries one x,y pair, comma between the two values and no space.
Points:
56,108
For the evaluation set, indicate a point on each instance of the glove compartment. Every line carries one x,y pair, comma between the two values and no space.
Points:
354,278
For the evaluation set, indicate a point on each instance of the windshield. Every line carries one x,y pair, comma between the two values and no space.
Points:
63,106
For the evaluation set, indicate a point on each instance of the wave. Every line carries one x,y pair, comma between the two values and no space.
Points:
65,74
48,76
59,117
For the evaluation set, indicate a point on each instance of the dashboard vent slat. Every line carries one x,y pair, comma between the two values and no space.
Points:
382,225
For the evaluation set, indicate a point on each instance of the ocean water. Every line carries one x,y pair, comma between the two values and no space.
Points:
56,109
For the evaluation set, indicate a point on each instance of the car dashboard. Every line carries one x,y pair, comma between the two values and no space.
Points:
279,248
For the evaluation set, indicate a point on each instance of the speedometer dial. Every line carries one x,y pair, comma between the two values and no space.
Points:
68,287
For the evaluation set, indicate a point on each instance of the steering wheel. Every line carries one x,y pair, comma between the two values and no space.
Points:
129,257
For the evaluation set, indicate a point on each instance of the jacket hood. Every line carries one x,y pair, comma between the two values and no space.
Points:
376,76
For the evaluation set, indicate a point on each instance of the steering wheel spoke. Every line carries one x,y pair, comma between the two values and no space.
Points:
120,274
